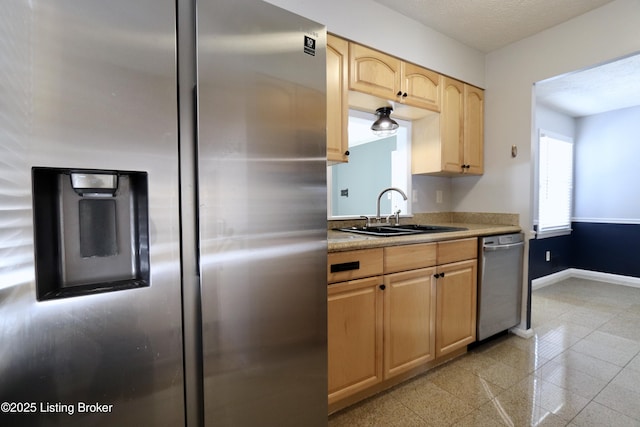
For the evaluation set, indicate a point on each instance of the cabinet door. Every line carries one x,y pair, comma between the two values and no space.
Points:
420,87
473,130
337,99
451,123
373,72
409,320
354,336
456,306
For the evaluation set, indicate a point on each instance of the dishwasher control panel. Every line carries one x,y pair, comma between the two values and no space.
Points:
505,239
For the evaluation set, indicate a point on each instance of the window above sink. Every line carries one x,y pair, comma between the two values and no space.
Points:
374,164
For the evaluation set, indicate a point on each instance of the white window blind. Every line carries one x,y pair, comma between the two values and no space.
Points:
555,179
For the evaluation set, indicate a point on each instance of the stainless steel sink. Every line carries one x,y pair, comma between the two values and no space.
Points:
379,231
430,228
400,230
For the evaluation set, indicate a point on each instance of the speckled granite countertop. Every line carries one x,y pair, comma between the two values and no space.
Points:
344,241
482,225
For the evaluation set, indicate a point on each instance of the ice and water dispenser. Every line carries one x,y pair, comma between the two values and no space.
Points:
91,231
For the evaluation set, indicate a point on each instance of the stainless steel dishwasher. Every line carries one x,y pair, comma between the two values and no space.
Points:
499,283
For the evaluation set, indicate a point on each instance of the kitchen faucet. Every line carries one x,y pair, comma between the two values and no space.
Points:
404,196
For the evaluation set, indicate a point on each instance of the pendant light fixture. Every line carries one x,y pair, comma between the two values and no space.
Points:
385,125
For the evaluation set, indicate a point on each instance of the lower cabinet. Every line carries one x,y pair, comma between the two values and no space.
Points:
422,307
456,306
355,336
409,320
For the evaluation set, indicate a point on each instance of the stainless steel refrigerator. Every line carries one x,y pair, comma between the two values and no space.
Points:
162,214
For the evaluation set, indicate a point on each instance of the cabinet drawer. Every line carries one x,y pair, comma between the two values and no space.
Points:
409,257
351,265
457,250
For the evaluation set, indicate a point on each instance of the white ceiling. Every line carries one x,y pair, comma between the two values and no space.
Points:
596,90
487,25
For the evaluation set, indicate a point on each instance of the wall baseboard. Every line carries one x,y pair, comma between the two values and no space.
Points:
615,279
522,333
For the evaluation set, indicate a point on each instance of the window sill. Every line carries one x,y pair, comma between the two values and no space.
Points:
553,233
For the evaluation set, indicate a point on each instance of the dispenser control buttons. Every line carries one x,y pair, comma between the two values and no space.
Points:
91,183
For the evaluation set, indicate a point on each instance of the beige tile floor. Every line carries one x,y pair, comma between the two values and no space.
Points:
581,368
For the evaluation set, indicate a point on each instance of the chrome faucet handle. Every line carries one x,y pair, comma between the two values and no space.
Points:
367,220
396,216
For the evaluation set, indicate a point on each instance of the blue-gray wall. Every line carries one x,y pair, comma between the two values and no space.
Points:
366,174
606,226
603,247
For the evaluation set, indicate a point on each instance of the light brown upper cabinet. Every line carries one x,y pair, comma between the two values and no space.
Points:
420,87
473,130
387,77
451,143
337,99
452,125
373,72
447,115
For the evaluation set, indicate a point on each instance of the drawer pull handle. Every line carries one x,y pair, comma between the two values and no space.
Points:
345,266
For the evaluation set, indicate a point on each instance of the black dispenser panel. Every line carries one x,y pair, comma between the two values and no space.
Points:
91,231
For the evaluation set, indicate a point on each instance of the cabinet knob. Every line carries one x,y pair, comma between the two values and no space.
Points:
383,287
399,93
404,95
438,275
346,153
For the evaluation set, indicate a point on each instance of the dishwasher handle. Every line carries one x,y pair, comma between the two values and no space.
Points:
501,247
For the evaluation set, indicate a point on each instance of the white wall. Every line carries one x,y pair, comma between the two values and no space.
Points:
424,193
377,26
607,153
606,33
554,121
599,36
